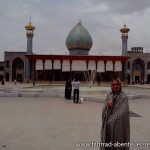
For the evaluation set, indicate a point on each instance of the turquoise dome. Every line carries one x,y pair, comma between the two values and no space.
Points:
79,39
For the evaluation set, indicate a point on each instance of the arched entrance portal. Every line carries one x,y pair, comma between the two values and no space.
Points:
18,69
138,71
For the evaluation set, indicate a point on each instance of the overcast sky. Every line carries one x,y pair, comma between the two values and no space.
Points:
54,19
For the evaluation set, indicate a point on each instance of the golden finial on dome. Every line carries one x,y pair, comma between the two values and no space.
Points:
125,29
30,26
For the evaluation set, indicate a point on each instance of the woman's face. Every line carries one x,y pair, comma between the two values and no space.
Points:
115,86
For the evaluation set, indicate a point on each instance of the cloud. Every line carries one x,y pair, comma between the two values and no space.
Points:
119,6
55,19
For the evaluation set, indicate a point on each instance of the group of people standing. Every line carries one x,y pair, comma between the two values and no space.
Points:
75,85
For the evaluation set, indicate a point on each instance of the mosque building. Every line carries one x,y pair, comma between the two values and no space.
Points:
132,66
137,68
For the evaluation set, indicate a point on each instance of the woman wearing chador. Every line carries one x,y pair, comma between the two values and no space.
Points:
115,119
68,89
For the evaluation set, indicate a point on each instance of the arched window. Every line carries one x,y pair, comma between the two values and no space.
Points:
148,65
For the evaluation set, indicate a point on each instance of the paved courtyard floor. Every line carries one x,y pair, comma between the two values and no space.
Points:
41,123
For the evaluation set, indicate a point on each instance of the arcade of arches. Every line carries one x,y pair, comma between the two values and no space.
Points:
138,71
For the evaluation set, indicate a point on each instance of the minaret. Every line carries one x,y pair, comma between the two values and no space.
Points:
29,33
124,37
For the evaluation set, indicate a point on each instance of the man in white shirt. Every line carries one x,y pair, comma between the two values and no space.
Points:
76,86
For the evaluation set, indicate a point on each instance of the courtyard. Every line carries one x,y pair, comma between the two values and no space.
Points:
44,123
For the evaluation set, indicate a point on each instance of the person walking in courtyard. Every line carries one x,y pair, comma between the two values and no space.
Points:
68,89
115,119
76,86
15,81
2,82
